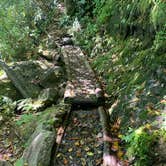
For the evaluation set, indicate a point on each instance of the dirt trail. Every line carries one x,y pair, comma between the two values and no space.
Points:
81,145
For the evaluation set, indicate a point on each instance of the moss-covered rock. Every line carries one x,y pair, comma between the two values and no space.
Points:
38,152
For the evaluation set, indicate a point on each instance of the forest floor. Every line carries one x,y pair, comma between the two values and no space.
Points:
82,143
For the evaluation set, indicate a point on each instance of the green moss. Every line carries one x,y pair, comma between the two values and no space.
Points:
50,117
8,89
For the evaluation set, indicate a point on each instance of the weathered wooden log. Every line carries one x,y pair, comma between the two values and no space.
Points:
109,158
105,128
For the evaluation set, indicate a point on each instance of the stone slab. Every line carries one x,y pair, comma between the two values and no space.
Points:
82,86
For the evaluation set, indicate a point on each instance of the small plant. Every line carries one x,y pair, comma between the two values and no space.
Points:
29,105
19,162
65,20
6,108
139,143
25,118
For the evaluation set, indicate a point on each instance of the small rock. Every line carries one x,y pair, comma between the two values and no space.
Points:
67,41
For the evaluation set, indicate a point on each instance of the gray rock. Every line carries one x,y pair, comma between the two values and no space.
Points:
67,41
38,153
51,77
49,95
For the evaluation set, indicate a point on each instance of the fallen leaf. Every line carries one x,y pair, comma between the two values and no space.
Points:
59,155
77,143
86,148
115,146
98,161
65,161
60,133
83,162
5,157
78,153
90,153
70,149
71,157
120,154
74,138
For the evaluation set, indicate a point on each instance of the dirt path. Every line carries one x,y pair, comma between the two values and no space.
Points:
81,145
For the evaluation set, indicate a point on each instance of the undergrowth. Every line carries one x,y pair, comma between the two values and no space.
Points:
125,42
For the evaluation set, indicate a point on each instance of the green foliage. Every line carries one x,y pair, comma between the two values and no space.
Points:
65,20
126,44
19,162
6,108
127,16
158,14
84,37
29,105
84,8
14,34
21,24
139,145
160,41
25,118
1,72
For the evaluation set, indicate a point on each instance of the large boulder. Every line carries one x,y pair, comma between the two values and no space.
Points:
31,77
38,153
39,134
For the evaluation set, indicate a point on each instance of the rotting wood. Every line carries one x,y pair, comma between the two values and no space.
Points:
60,134
109,158
105,128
